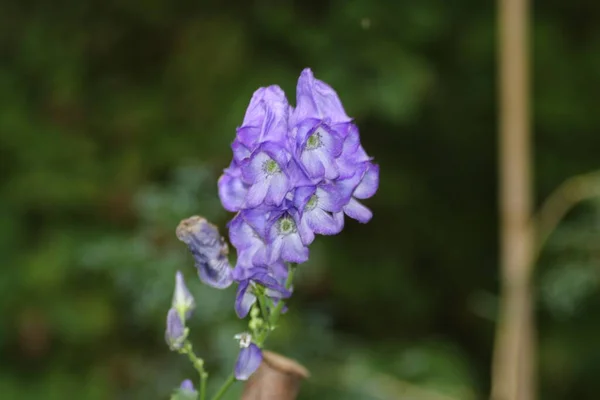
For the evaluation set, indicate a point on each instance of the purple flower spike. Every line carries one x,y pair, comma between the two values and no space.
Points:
249,358
209,250
187,386
296,172
176,333
183,301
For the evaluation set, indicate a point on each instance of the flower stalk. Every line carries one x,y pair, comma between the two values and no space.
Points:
296,172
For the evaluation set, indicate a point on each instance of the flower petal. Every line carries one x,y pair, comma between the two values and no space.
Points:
244,299
357,211
278,188
311,161
274,288
209,250
183,301
322,222
369,183
306,233
232,190
248,361
175,333
252,170
293,250
316,99
215,273
257,193
331,199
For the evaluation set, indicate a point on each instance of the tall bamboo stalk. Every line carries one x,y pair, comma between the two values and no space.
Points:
514,353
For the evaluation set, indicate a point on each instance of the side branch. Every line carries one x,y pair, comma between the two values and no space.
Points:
556,206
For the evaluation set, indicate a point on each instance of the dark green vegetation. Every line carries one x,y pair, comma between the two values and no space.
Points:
116,119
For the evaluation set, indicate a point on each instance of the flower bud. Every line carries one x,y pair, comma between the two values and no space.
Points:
187,386
176,331
183,301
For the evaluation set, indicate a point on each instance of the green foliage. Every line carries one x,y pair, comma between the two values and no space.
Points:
115,121
184,395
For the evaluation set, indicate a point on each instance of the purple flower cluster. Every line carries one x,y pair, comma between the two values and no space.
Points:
295,173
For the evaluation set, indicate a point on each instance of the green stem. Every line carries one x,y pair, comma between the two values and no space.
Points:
198,366
203,378
224,388
288,284
263,307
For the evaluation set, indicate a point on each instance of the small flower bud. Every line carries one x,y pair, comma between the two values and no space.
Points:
183,301
187,386
176,331
254,312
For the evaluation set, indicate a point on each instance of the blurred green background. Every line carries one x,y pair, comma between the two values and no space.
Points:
115,123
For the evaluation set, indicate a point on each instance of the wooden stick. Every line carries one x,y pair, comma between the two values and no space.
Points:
277,378
513,369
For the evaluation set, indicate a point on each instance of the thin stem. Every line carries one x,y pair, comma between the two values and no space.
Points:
198,366
203,378
288,284
263,307
556,206
224,388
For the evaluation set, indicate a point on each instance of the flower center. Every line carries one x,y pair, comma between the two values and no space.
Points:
286,226
244,338
314,141
312,202
270,167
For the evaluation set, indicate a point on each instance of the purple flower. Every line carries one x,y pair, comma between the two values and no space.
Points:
209,250
249,358
247,239
265,171
266,120
364,184
176,331
284,238
187,386
317,100
232,190
318,122
295,173
318,146
353,155
248,279
183,301
321,210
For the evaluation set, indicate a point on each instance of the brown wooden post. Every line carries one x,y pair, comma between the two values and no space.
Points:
277,378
